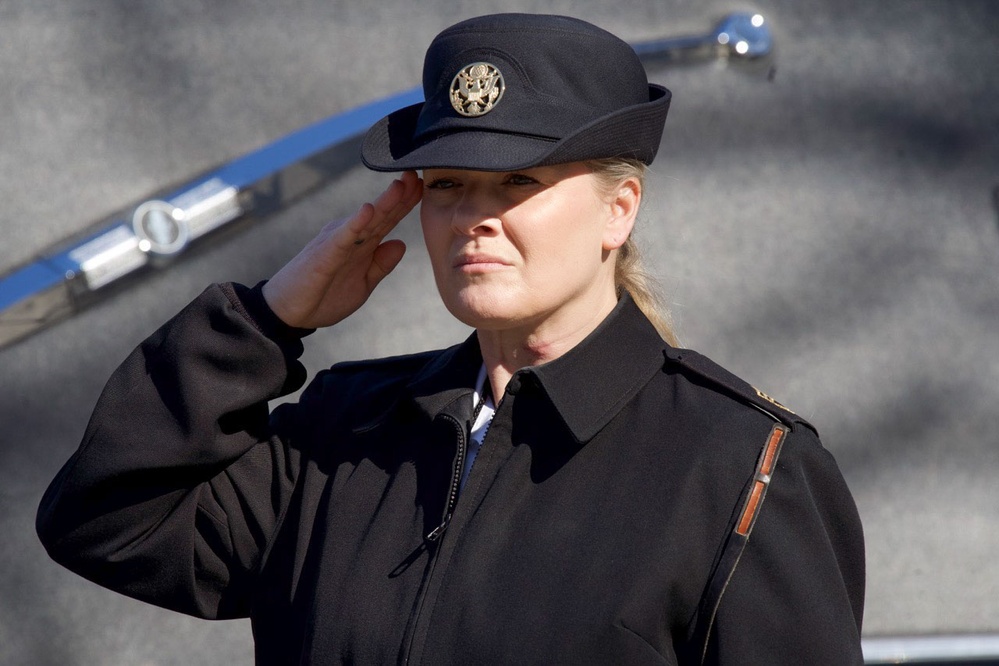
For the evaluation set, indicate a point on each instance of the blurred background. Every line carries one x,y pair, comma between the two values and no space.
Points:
827,229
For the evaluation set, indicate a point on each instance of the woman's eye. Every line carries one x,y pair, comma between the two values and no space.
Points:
440,184
521,179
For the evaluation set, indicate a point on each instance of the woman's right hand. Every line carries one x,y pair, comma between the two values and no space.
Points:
336,272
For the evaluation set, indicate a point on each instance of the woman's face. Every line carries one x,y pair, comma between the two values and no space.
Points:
521,248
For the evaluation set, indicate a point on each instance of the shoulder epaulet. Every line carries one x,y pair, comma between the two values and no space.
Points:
732,385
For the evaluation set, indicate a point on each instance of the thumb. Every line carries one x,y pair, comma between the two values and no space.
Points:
386,257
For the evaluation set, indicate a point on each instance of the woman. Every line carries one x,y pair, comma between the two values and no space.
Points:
562,487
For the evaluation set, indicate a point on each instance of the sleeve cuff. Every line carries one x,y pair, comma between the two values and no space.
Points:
250,302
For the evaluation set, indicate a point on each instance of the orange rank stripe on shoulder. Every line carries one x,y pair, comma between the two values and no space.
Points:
761,480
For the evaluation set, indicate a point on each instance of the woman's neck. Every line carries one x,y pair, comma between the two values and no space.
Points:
504,351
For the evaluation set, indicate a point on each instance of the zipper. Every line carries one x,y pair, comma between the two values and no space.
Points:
452,498
435,536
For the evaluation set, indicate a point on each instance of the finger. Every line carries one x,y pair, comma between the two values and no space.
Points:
414,189
397,202
375,219
411,183
372,221
358,227
397,193
384,260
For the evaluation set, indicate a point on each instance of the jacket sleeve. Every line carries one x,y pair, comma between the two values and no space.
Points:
182,475
797,594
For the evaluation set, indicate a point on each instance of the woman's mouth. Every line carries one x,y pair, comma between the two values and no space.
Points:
478,263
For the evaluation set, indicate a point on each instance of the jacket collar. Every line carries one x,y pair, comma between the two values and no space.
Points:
446,383
590,383
587,385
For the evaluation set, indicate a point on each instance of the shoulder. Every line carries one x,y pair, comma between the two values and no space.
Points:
354,393
376,376
749,427
738,393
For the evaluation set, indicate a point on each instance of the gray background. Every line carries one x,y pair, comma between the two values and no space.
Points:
830,235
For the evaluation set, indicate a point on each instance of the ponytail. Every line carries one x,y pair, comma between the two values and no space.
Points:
629,273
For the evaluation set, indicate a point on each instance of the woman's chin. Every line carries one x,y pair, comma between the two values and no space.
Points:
482,310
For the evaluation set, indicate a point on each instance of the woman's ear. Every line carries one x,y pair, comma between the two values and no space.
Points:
623,208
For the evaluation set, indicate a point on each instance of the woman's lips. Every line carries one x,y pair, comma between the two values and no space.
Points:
477,263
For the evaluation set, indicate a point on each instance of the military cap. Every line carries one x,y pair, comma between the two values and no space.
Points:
512,91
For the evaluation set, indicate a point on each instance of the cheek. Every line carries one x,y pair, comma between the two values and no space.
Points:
567,241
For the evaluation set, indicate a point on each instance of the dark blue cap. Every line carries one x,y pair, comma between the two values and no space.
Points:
512,91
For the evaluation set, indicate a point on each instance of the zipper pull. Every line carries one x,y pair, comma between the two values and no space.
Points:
438,531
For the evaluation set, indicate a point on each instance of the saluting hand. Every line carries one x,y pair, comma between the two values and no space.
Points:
336,272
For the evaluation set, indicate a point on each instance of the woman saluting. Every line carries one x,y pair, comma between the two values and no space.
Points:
565,486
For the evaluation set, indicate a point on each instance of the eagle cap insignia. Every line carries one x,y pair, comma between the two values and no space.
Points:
476,89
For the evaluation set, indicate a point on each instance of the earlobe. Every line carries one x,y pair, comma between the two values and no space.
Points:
623,210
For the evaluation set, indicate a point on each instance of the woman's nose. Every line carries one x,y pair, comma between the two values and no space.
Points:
475,215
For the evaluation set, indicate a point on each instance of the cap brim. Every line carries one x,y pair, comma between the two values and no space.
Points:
633,132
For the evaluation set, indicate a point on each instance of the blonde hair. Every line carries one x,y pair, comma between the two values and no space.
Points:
629,272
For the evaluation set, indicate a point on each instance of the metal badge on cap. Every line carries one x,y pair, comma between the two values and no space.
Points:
476,89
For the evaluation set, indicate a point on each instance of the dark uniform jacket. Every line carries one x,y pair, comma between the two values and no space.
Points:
600,522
